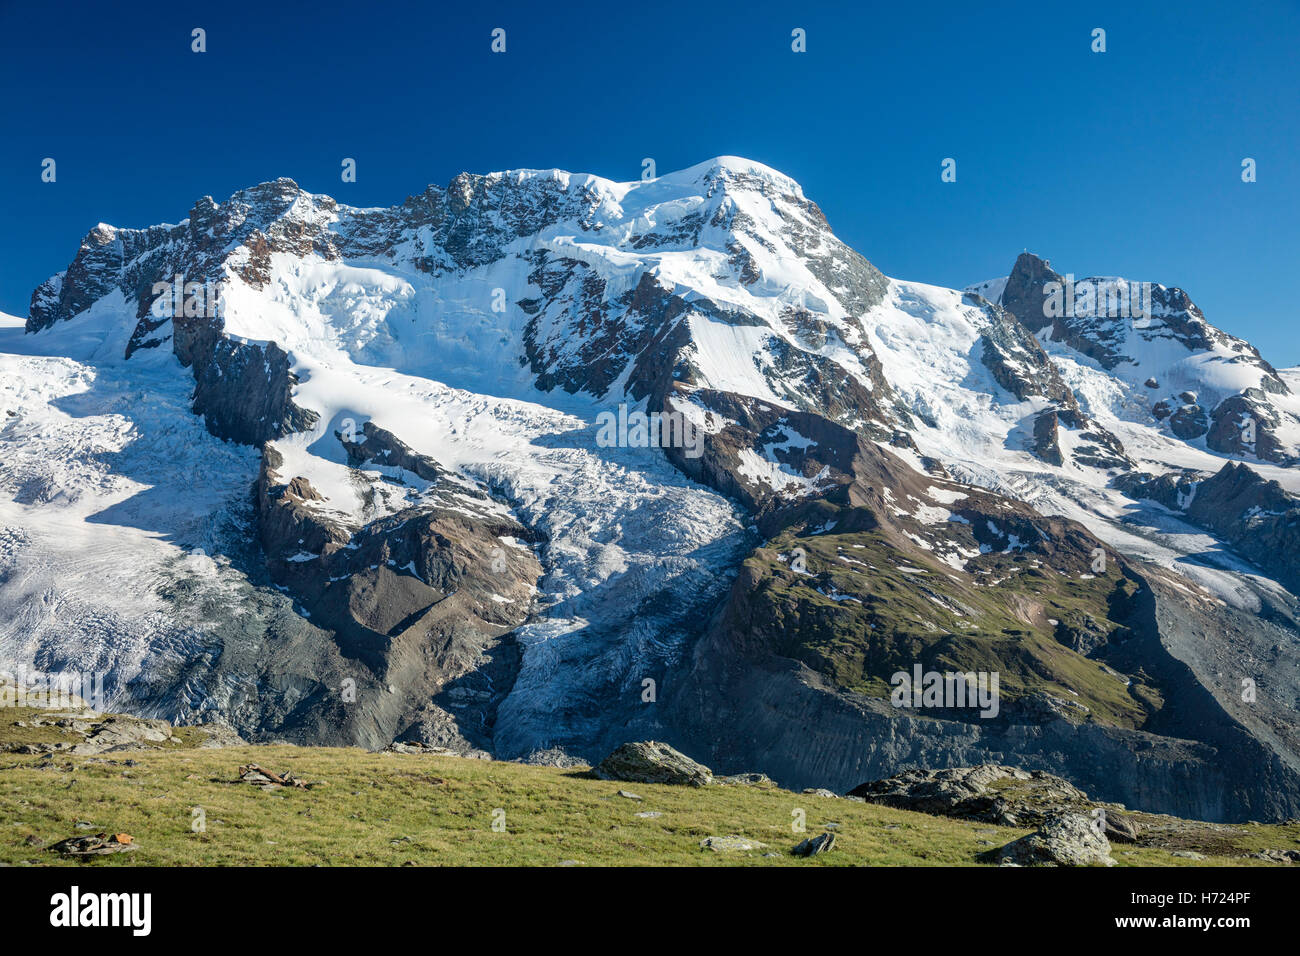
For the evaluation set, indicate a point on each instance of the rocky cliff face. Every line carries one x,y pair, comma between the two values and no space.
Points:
1106,673
1198,382
793,723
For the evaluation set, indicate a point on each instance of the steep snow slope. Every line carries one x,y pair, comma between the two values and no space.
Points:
623,527
928,339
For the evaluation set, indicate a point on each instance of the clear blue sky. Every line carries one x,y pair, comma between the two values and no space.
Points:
1125,163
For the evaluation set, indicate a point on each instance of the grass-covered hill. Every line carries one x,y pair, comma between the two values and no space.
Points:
183,804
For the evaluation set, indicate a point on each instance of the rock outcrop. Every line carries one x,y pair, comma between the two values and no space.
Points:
1007,796
1126,326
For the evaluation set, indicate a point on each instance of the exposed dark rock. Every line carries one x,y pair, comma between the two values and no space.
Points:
1047,439
1097,333
242,390
1189,422
421,601
1174,490
1256,516
1024,295
381,447
743,677
822,843
1246,424
1018,363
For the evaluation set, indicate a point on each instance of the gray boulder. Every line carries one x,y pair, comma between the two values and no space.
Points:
991,793
814,845
119,732
1068,839
746,780
649,761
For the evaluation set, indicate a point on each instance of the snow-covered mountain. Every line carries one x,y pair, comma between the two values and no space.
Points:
340,474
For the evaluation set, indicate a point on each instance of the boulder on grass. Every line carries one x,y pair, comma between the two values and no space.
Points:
649,761
1066,839
731,844
814,845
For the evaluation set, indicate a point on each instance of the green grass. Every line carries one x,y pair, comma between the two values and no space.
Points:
390,809
998,620
386,809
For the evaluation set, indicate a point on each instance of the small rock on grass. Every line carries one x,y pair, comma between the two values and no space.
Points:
731,844
1277,856
823,843
97,845
746,780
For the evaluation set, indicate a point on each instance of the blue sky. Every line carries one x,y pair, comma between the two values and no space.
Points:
1121,163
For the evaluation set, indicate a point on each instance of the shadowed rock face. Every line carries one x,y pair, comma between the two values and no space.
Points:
421,602
242,390
1019,364
1025,292
815,649
760,712
1256,515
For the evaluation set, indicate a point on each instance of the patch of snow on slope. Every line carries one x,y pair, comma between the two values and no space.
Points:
990,289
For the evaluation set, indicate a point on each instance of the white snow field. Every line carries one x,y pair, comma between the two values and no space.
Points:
111,490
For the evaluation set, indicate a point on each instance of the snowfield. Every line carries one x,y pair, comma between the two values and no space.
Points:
100,512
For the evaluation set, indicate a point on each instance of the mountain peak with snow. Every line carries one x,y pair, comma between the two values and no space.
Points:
520,441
